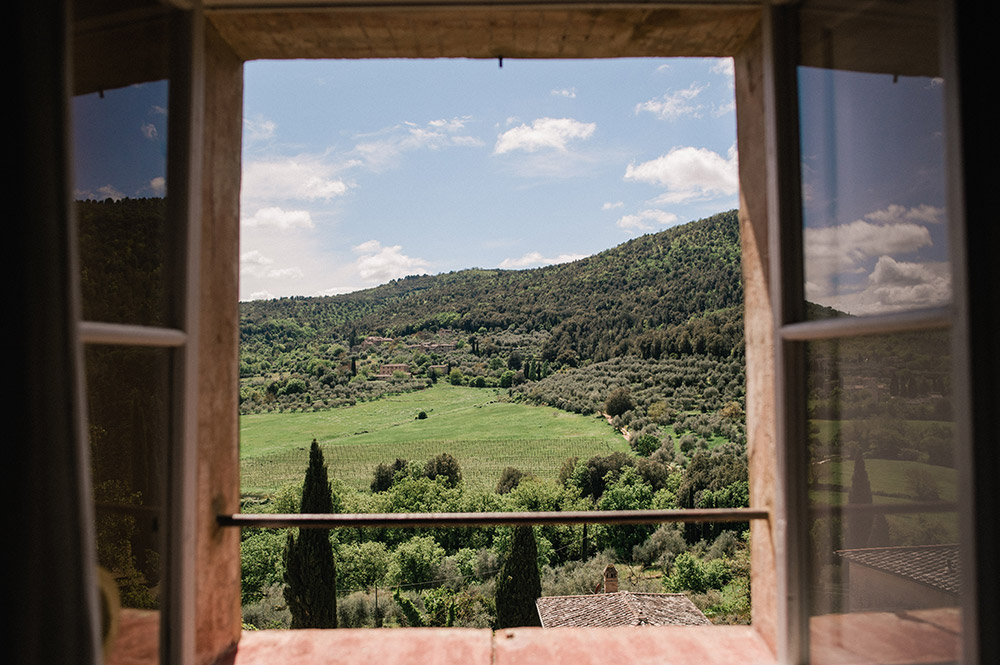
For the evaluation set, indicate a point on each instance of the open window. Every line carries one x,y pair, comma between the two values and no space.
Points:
786,348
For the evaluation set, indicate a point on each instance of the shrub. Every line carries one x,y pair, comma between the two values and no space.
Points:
618,402
644,444
385,474
445,466
509,479
416,561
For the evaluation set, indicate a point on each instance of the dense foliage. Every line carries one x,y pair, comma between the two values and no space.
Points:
671,294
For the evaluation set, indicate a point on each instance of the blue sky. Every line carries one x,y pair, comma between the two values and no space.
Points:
120,142
874,199
358,172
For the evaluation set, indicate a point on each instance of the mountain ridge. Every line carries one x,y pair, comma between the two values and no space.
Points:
642,296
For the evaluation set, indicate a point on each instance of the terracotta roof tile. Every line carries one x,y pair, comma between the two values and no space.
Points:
623,608
934,565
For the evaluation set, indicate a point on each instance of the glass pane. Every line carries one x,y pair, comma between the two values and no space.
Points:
119,120
884,553
120,185
872,159
127,391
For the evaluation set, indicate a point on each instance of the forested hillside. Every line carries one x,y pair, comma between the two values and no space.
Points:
670,294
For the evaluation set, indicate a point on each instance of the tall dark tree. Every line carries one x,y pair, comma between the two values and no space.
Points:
518,582
859,526
310,572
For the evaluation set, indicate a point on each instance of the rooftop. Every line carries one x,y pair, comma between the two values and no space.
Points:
936,566
622,608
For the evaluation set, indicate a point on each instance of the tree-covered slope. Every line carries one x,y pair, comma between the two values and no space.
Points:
599,307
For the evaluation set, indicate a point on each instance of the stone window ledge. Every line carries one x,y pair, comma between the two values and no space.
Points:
864,638
635,645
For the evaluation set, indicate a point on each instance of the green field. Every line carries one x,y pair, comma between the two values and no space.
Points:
483,433
895,481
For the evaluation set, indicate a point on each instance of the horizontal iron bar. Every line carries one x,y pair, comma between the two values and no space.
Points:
92,332
937,318
884,508
413,520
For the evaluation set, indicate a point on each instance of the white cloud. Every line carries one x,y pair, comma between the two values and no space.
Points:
565,92
722,66
722,110
149,130
383,151
277,218
255,264
689,174
647,220
899,285
109,192
158,185
845,248
544,133
380,264
897,214
254,260
535,259
611,206
300,178
262,295
337,290
258,129
675,104
859,239
837,256
895,286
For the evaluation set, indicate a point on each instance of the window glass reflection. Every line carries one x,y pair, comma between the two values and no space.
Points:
882,482
872,160
120,187
127,389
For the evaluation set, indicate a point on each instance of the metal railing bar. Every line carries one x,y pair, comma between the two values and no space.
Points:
849,326
93,332
414,520
884,508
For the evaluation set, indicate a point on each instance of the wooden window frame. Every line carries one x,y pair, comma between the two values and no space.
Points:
206,108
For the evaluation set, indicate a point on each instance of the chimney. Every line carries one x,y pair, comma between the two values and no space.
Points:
610,579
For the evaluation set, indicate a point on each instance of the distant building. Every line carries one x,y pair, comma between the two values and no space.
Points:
389,369
910,577
611,607
433,347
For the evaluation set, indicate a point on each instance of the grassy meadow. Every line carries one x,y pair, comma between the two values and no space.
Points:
482,432
895,481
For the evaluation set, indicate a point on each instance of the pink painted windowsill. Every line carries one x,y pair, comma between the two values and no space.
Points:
865,638
635,645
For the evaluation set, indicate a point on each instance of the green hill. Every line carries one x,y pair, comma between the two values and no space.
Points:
595,308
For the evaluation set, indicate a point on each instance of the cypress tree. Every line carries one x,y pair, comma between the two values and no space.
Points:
859,526
518,582
310,572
